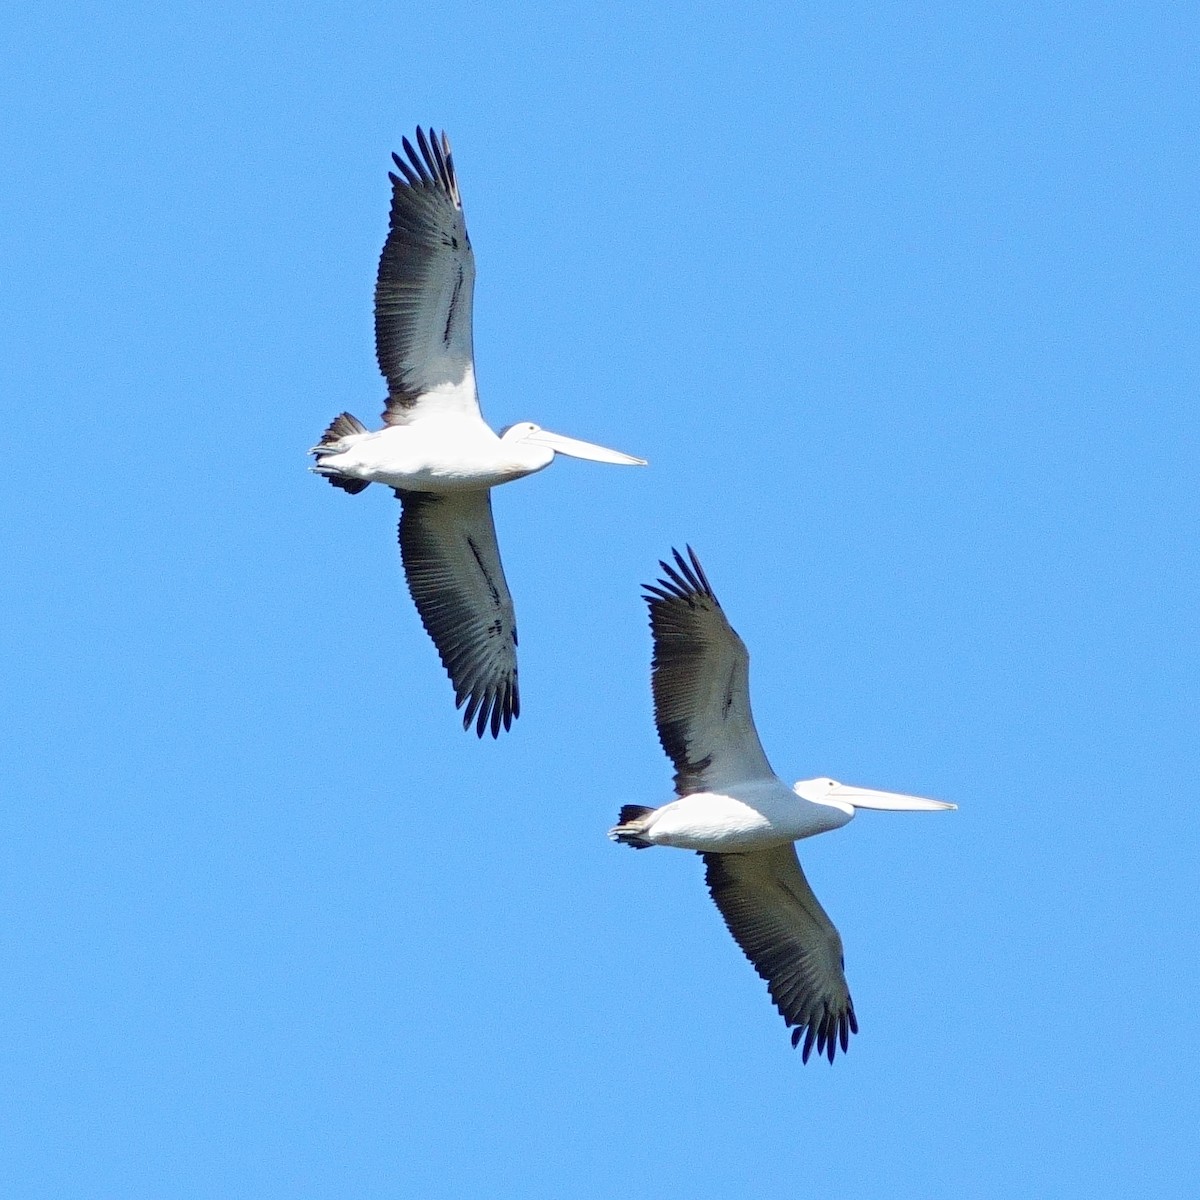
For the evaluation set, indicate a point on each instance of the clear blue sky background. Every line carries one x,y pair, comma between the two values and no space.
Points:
902,307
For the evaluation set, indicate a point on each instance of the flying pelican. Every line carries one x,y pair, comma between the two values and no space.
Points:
435,450
739,815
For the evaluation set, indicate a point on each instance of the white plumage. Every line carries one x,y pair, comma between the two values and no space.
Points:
741,818
435,450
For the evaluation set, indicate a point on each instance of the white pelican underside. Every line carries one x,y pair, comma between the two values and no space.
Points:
435,449
740,817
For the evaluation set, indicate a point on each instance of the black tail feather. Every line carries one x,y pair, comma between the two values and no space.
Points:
632,812
343,425
626,831
348,484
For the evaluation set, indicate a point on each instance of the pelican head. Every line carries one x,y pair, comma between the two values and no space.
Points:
847,798
526,433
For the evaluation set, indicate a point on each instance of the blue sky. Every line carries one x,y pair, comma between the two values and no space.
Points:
901,306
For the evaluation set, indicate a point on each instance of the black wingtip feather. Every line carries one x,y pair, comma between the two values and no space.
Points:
683,580
808,1042
700,573
674,576
826,1035
686,570
475,699
438,159
490,711
426,165
415,159
411,178
425,154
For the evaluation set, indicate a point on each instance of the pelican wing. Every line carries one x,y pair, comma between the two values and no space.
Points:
424,289
785,933
452,563
701,681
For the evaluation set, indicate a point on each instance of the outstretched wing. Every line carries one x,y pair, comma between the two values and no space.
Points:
452,563
424,289
701,682
783,930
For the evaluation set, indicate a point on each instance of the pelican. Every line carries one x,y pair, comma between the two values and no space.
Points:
743,820
435,450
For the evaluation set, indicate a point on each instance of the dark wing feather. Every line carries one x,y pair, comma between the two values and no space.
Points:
701,682
452,563
774,917
426,281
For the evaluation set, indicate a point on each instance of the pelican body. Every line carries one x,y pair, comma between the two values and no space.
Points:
742,819
435,450
747,816
450,452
